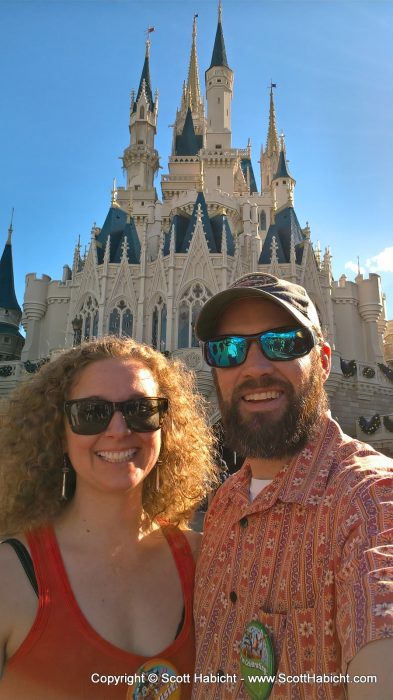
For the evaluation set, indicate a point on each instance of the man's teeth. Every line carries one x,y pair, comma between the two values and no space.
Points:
262,396
124,456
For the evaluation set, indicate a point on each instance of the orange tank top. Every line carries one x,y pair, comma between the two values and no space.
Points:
63,658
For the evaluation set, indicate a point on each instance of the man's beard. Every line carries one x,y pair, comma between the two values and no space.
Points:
262,436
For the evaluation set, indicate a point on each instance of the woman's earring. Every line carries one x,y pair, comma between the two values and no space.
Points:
157,477
65,470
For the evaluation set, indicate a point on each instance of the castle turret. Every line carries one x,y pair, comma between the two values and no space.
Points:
283,183
219,88
140,159
11,340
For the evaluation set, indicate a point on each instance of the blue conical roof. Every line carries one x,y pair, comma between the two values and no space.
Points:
205,223
285,228
282,168
116,226
8,298
188,143
145,77
218,223
219,56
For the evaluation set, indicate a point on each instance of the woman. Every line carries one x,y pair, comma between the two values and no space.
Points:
105,454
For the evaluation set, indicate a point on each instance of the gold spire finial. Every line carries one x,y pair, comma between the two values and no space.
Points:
272,142
149,30
10,229
193,87
114,202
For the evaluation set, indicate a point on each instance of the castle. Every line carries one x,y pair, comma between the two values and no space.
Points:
156,260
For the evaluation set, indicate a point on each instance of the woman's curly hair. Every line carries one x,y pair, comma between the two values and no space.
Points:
33,434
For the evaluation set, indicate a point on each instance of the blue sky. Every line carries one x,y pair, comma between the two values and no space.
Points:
66,71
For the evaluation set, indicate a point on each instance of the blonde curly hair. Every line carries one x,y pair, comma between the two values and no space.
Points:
33,434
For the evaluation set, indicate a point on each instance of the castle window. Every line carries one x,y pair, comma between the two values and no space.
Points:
158,330
219,80
218,145
142,112
121,320
262,220
190,306
89,315
140,142
218,180
218,100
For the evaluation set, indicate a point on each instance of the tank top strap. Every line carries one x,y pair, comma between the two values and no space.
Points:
45,556
183,556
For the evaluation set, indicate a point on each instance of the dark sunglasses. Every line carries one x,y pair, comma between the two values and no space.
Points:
92,416
278,344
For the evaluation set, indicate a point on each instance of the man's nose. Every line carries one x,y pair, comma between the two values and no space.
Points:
256,362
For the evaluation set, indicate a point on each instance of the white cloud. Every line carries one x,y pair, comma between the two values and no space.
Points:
382,262
354,267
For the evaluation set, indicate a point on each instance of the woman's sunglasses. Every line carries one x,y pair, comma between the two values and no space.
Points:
278,344
92,416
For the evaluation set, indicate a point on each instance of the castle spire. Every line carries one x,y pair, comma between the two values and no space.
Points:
145,84
193,87
272,142
219,56
10,229
8,298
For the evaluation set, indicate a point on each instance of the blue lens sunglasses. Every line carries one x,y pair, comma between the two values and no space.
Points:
277,344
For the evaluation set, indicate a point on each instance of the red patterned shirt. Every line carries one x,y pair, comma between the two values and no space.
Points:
311,558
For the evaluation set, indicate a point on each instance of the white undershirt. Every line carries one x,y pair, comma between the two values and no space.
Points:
257,485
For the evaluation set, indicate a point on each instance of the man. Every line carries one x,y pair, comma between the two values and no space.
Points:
295,577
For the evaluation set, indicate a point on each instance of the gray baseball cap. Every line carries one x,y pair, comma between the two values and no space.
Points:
288,295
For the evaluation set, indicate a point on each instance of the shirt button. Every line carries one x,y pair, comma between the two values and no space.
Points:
244,522
233,596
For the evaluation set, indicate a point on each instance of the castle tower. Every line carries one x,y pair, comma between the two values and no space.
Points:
269,157
188,134
283,183
140,159
191,95
219,88
11,340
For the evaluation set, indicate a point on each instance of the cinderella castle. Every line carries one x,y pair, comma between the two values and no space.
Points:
158,257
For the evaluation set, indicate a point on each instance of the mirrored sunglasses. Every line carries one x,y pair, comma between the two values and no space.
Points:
92,416
278,344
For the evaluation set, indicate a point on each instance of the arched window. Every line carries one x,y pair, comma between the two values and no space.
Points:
262,220
190,305
158,326
121,320
89,315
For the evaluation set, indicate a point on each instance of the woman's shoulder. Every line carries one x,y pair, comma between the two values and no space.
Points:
18,601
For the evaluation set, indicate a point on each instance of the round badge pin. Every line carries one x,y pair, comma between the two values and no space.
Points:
156,679
257,661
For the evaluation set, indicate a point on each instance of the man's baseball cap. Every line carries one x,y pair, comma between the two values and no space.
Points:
289,296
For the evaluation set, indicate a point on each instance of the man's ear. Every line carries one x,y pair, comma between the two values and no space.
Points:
325,355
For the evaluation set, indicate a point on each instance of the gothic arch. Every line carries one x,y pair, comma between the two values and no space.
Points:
89,314
190,302
121,318
159,317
